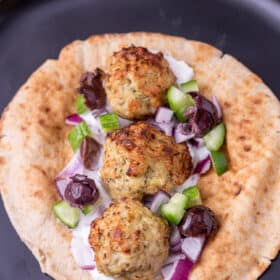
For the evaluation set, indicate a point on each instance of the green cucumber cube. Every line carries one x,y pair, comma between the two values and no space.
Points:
67,214
81,106
179,200
190,86
87,209
215,138
219,162
179,102
109,122
172,212
77,135
193,196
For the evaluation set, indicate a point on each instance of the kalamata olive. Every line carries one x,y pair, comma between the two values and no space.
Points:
90,153
202,116
81,190
199,220
91,87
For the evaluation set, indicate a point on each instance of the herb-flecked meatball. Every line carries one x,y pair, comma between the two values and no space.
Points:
129,241
137,82
139,159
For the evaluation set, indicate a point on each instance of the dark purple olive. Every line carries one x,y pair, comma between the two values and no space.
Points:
90,153
81,190
91,87
199,220
202,116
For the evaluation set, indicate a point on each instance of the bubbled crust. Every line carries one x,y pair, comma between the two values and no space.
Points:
137,81
129,241
141,159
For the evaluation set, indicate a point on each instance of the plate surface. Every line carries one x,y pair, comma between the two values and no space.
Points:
249,30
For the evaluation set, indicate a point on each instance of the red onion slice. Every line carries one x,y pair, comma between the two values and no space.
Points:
158,199
203,166
191,181
181,136
175,236
173,258
73,119
192,247
88,267
196,142
180,270
164,115
80,248
167,271
73,167
199,155
167,128
61,185
164,121
176,248
218,107
82,253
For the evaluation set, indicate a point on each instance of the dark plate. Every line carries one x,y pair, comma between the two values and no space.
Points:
249,30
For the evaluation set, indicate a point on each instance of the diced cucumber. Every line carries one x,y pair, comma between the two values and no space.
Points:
190,86
109,122
81,106
215,138
193,196
77,135
179,102
87,209
179,200
66,214
172,212
219,162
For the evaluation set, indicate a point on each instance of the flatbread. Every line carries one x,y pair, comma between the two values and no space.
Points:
34,148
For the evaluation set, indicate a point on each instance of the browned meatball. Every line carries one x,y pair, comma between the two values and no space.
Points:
137,81
129,241
140,159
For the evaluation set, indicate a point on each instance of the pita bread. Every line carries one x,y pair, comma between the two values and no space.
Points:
34,148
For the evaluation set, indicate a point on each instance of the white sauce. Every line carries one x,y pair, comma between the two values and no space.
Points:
180,69
80,247
94,126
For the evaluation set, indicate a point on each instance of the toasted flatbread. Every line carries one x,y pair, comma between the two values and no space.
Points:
34,148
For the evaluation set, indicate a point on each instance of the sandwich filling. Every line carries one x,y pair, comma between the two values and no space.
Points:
142,136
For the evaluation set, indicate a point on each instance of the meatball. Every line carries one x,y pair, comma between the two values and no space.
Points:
140,159
129,241
137,81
